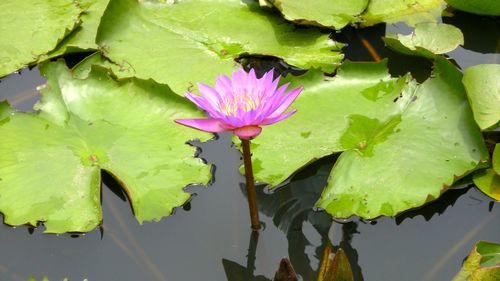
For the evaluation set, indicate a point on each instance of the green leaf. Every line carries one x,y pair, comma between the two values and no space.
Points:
427,40
483,89
410,11
84,126
328,13
482,264
321,119
149,40
488,182
480,7
83,37
486,274
391,130
435,131
32,28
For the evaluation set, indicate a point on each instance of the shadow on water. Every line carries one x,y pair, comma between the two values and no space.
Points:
209,237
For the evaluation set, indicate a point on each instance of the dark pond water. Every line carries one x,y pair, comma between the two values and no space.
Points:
210,238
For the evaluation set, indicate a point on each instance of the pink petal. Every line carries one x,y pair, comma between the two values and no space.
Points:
239,81
252,86
223,86
210,94
202,103
274,101
286,102
248,132
203,124
267,85
269,121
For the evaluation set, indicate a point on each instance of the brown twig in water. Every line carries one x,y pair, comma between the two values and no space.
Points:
368,46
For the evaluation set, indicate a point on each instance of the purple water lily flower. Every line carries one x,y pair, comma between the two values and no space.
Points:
242,104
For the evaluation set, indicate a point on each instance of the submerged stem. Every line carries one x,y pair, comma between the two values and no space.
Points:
251,195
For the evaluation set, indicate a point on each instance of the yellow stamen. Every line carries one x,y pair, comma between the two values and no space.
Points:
246,102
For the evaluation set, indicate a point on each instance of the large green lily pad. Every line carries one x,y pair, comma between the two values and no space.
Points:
83,37
193,41
483,89
427,40
32,28
391,129
410,11
481,7
328,13
482,264
52,160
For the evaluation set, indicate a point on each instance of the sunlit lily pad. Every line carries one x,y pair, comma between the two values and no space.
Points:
480,7
83,37
191,41
32,28
483,89
427,40
410,11
391,129
482,264
329,13
52,160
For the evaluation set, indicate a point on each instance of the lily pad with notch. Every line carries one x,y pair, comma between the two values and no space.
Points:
51,160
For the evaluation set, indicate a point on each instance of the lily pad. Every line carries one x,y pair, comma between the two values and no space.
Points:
410,11
427,40
483,89
328,13
151,40
386,126
87,125
488,182
480,7
83,37
31,29
433,131
482,264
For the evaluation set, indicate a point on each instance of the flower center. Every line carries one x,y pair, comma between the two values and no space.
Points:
244,102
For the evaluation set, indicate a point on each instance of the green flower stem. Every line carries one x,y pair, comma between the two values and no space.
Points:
251,195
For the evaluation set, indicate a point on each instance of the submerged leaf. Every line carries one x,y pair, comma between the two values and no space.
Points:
427,40
480,7
341,267
285,271
328,13
32,28
51,161
149,40
482,264
386,126
483,89
410,11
